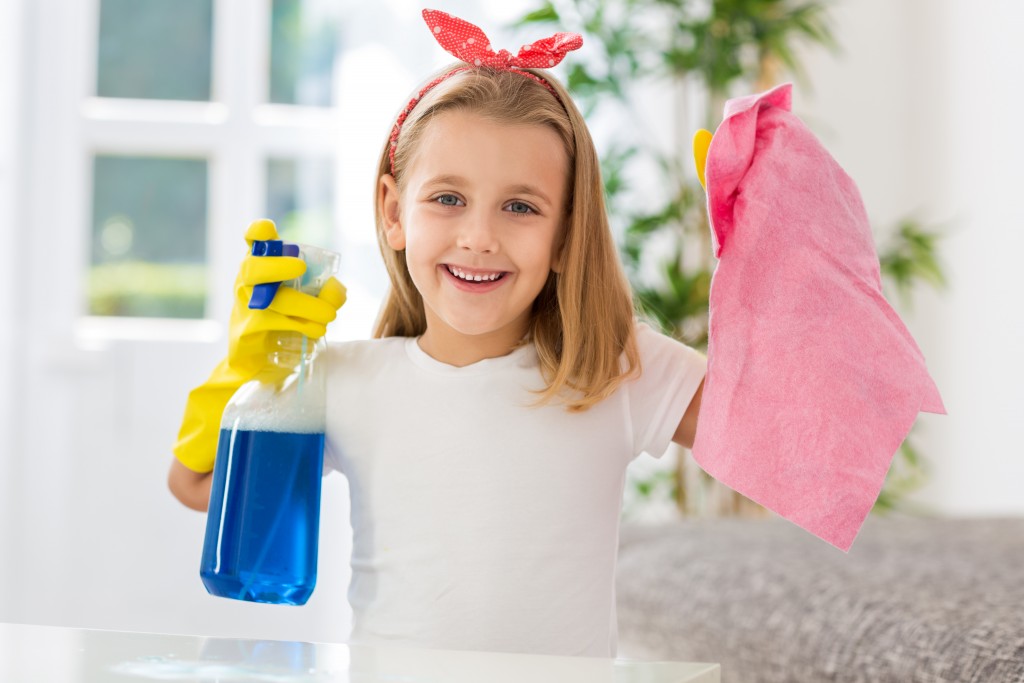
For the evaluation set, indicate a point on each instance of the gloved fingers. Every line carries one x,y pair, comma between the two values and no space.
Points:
312,329
262,229
701,142
257,270
298,305
334,293
270,320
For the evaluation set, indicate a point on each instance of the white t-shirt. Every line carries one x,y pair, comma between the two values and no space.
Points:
480,521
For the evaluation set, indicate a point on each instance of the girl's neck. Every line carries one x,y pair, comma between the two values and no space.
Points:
454,348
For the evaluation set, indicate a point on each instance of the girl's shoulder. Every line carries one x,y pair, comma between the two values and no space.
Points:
660,352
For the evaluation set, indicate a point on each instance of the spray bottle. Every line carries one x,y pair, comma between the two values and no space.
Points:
263,523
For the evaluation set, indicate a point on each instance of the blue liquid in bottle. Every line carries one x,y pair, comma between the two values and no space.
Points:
264,518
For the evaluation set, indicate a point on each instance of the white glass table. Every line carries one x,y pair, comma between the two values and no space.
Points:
38,654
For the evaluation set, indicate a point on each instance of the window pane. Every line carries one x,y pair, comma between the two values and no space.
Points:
155,49
148,248
303,42
300,199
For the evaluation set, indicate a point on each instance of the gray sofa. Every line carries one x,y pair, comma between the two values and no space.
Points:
915,600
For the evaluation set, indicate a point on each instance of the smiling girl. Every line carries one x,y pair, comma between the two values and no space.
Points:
486,429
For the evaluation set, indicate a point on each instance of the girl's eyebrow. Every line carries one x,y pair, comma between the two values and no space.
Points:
521,188
530,190
445,179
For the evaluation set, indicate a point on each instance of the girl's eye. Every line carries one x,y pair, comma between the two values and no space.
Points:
447,200
520,207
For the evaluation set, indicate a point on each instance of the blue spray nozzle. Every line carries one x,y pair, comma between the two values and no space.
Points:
263,294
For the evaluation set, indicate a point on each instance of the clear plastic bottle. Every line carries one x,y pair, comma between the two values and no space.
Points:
263,523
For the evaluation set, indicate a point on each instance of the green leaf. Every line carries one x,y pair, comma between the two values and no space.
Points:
546,14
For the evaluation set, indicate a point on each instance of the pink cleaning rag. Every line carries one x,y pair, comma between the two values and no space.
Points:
813,381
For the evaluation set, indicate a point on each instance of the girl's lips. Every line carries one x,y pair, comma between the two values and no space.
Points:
476,286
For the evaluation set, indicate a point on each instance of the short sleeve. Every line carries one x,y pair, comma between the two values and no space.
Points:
670,373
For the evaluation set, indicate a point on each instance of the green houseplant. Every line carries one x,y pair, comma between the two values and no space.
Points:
707,50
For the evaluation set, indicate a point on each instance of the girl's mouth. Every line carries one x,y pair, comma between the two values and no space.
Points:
474,280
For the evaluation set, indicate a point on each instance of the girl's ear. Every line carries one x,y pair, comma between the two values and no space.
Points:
387,196
556,260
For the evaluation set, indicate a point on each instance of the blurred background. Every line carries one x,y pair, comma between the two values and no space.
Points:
138,138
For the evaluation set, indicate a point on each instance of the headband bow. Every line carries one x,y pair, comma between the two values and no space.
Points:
468,43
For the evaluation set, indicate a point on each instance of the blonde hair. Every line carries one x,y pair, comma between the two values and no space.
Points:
582,323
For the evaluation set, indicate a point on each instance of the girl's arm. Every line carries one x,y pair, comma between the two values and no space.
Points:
686,432
191,488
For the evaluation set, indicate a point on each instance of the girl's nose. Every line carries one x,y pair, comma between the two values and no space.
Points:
478,234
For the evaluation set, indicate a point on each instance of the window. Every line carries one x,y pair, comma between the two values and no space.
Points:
148,246
155,49
303,43
201,117
300,198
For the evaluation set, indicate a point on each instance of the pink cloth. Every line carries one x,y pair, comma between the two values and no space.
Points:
813,380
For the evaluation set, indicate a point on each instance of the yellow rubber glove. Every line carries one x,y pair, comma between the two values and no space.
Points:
701,142
250,332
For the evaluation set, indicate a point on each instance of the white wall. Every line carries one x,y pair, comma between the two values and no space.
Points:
10,222
923,110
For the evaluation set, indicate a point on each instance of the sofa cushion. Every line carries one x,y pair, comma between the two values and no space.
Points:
916,599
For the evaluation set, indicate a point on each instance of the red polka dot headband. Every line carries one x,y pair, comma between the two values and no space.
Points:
468,43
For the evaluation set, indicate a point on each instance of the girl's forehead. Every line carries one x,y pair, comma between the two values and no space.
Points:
470,127
469,145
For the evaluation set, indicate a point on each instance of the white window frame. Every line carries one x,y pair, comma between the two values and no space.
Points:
235,132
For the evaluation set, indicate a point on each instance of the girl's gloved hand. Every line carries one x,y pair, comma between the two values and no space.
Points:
290,310
701,142
250,333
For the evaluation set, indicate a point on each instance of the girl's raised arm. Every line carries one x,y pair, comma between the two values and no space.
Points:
686,432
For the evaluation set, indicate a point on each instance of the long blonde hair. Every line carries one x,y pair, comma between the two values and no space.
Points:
582,323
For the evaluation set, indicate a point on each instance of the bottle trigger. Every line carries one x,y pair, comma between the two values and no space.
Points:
263,294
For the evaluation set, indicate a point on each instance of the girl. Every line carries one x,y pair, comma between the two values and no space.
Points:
486,429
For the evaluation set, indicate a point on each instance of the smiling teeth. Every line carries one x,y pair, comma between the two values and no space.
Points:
463,275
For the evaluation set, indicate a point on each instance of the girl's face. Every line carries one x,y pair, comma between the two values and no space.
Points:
480,219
